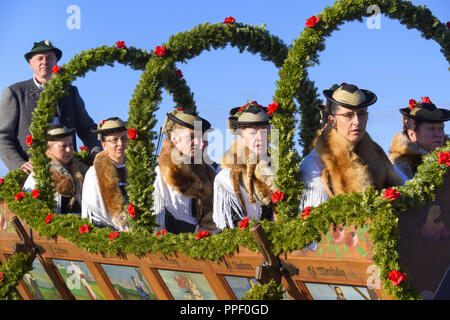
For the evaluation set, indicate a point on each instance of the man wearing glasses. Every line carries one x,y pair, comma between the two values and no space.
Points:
105,199
345,159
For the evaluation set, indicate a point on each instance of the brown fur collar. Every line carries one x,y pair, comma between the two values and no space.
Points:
68,182
190,180
109,184
349,167
253,174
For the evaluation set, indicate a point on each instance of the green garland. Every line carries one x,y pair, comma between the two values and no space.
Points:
287,235
13,271
269,291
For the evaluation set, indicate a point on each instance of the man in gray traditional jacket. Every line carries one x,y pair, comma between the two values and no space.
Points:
20,99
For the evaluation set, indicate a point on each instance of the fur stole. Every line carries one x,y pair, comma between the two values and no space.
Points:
406,155
353,168
190,180
108,183
254,175
68,181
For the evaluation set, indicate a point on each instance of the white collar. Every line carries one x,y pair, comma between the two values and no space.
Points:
39,85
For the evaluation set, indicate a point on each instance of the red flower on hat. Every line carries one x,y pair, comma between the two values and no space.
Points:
120,44
49,218
425,100
29,140
202,234
160,51
35,193
55,69
161,233
229,20
84,229
113,235
397,277
132,134
306,212
1,180
131,210
312,21
271,108
412,103
444,158
391,194
179,73
244,223
103,122
19,196
84,148
2,275
277,196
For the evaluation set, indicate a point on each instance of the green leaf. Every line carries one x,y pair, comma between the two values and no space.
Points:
330,246
344,247
361,251
338,252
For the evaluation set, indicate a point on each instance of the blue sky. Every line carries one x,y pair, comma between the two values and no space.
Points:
394,62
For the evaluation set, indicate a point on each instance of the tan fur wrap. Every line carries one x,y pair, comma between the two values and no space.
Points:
108,183
406,155
252,175
190,180
349,167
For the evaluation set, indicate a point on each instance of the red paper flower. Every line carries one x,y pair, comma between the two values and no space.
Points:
103,122
306,212
448,24
49,218
271,108
84,148
1,180
243,224
120,44
179,73
311,22
35,193
132,134
85,228
412,103
113,235
396,277
55,69
180,109
161,233
19,196
131,210
277,196
444,158
160,51
202,234
229,20
29,140
391,194
1,276
425,100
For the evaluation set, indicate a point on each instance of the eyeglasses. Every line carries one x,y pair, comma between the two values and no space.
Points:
350,115
115,140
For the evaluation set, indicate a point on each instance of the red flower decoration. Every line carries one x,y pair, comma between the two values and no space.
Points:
19,196
391,194
448,24
55,69
113,235
412,103
202,234
84,148
229,20
306,212
29,140
160,51
2,276
84,229
396,277
1,180
425,100
35,193
243,224
120,44
277,196
103,122
49,218
131,210
179,73
444,158
132,134
180,109
161,233
311,22
271,108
